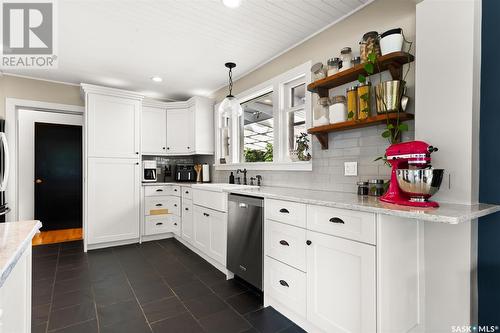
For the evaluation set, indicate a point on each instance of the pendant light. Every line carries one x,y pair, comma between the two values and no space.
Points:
230,106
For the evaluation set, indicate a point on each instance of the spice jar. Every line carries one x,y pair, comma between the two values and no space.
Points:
362,188
376,187
369,44
346,57
333,66
364,100
321,111
352,102
356,61
338,109
318,71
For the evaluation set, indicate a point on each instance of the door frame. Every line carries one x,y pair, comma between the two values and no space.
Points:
12,107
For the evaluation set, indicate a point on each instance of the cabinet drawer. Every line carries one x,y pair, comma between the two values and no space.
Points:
162,205
359,226
293,213
286,243
285,284
175,190
151,191
186,193
210,199
161,224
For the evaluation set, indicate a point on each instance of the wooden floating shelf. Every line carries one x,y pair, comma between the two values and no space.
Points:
321,132
393,62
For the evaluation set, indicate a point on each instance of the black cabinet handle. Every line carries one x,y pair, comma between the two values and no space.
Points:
168,148
187,192
308,242
137,163
283,283
175,190
336,220
163,148
158,205
206,214
284,211
137,153
175,205
159,223
159,190
284,243
188,147
186,208
175,223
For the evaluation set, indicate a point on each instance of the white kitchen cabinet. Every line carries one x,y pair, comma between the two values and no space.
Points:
112,126
180,131
341,284
187,221
201,229
154,130
113,190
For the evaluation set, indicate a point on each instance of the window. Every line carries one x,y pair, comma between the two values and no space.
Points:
264,137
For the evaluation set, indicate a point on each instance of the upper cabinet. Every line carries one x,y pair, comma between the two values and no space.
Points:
154,130
178,128
180,131
113,125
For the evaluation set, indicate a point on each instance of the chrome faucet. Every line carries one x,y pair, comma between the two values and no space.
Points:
244,171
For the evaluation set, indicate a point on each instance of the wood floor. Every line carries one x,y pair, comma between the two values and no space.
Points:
57,236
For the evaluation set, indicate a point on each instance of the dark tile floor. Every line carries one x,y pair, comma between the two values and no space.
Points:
154,287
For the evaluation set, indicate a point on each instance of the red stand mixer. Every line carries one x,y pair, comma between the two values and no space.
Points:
413,181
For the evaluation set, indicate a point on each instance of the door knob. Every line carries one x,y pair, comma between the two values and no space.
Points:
38,181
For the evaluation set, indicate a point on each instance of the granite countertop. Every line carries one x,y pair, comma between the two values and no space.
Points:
446,213
187,184
15,237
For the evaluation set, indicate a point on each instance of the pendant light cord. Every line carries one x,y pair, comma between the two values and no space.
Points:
230,82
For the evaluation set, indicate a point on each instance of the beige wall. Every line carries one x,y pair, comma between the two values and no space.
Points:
37,90
380,15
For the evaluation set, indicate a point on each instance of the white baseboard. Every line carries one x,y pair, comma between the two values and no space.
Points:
111,244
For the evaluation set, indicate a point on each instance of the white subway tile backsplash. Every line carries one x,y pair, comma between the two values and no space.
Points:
359,145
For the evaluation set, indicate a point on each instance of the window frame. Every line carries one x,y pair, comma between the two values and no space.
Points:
281,160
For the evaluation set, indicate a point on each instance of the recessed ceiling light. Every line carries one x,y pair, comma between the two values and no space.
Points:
156,78
231,3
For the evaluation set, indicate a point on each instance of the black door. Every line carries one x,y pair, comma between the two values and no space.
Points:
58,176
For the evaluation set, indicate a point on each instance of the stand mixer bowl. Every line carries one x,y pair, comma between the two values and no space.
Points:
419,184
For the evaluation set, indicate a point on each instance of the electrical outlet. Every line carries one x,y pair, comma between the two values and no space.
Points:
350,168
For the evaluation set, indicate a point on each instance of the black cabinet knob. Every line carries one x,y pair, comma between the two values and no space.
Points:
175,223
186,208
206,214
283,283
175,205
284,243
163,148
308,242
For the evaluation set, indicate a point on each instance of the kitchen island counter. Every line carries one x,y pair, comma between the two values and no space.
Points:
446,213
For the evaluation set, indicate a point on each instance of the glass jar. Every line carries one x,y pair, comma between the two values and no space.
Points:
364,100
346,57
362,188
356,61
369,44
376,187
338,109
333,66
352,103
319,71
321,111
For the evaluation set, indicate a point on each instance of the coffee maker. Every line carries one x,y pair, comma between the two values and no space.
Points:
149,171
413,181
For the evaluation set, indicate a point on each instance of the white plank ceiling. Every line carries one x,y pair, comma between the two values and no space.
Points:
122,43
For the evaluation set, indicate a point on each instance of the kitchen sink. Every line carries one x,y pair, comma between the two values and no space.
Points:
221,187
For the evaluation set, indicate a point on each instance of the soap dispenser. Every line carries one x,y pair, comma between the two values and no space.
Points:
231,178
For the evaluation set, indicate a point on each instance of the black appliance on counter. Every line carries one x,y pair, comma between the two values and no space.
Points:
185,173
4,170
169,173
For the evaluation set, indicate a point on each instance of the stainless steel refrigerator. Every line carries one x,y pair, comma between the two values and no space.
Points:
4,170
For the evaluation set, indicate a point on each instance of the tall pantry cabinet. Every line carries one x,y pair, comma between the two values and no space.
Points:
112,166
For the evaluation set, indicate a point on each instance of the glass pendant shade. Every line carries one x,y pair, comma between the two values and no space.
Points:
230,107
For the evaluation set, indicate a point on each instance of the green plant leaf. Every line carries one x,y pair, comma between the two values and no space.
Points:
372,57
361,78
369,67
390,126
386,133
403,127
350,115
365,110
365,97
378,158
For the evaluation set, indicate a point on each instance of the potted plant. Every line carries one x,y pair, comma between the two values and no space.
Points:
302,141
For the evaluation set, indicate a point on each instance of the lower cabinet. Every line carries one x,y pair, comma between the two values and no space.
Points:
341,284
160,224
113,190
187,221
210,232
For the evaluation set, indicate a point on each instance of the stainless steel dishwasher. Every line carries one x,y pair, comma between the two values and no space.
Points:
245,238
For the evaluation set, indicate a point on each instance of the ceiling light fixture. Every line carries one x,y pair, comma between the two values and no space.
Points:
231,3
156,78
230,106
